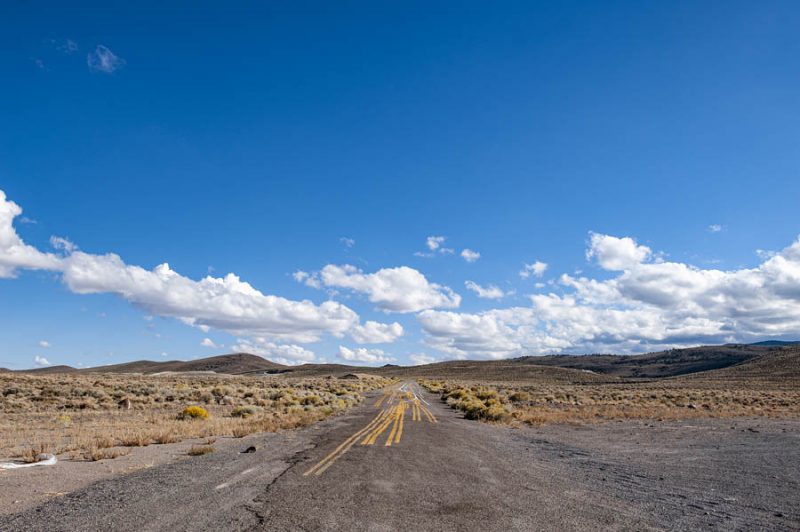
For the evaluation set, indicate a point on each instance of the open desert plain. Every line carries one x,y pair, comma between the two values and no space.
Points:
642,443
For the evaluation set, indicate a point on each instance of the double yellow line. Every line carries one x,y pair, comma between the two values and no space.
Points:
418,410
394,416
326,462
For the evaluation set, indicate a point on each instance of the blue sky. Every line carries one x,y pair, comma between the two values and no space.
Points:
649,152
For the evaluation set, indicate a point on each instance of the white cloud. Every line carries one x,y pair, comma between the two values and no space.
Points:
63,244
469,255
435,245
41,361
288,354
646,306
488,292
104,60
434,242
208,342
373,332
307,279
418,359
223,303
400,289
536,269
44,343
14,253
362,354
715,228
226,303
614,253
347,242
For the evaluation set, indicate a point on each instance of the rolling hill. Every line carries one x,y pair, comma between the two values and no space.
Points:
729,361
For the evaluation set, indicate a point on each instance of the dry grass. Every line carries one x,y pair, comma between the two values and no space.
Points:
669,399
199,450
81,413
95,454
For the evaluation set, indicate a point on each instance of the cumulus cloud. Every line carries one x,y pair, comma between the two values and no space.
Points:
535,269
488,292
208,342
104,60
400,289
41,361
715,228
469,255
223,303
362,354
288,354
307,279
63,244
434,242
373,332
613,253
44,343
226,303
647,305
14,253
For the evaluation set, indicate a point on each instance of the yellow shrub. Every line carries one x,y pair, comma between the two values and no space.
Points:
194,412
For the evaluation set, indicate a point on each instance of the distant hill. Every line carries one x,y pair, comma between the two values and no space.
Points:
775,343
52,369
668,363
233,364
737,360
779,365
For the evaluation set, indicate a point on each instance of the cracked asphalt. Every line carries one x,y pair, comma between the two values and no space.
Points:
403,460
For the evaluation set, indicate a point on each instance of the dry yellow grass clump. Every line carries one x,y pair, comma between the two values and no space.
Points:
97,416
667,399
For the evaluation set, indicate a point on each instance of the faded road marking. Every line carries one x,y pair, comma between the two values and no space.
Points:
396,401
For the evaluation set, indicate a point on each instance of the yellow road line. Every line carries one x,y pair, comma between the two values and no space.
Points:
400,429
377,431
394,435
345,445
428,414
380,400
394,427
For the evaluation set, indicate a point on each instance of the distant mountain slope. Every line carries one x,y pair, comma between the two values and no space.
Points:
233,364
655,365
742,361
776,343
497,371
781,365
52,369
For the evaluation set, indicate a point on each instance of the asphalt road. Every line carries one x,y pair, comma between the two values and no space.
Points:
404,461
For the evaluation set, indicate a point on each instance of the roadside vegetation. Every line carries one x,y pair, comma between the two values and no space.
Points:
542,403
101,416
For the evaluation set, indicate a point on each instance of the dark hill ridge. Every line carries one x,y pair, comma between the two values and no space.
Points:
737,360
669,363
233,364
